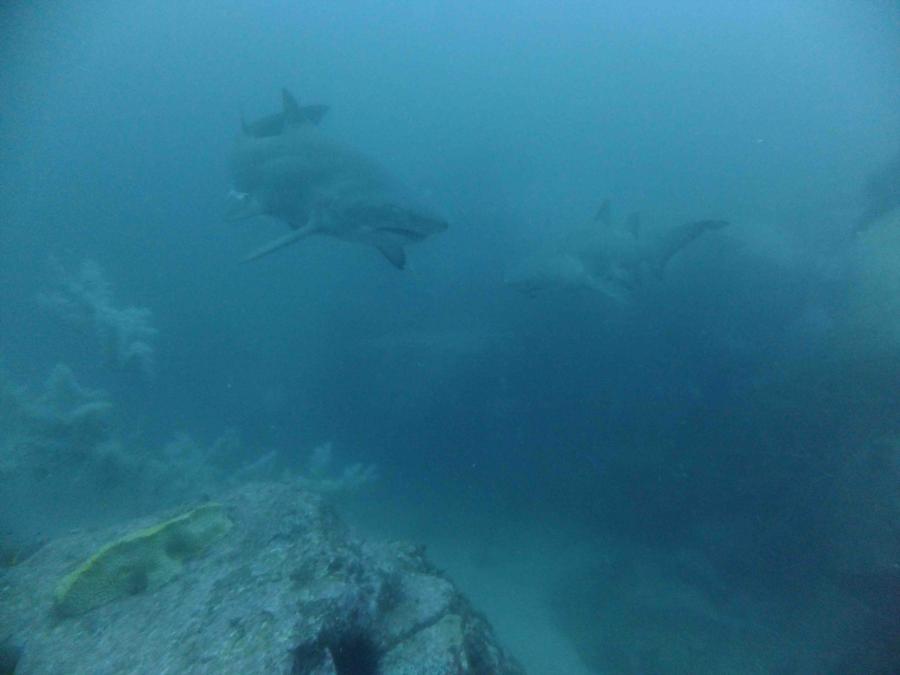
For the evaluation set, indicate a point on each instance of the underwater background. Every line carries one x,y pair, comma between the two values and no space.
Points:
704,479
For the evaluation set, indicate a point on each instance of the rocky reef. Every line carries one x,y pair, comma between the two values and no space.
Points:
67,460
287,590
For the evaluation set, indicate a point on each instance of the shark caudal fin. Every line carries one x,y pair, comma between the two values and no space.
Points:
675,239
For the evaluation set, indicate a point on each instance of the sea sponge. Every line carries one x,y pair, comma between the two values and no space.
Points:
141,561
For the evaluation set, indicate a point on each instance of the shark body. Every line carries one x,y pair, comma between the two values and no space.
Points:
612,259
284,167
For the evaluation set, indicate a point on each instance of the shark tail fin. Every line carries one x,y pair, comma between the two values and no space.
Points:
679,237
279,243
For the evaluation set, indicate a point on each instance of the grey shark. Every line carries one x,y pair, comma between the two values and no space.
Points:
613,259
881,194
283,166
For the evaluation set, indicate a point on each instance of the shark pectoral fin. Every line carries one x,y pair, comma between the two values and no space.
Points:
393,251
279,243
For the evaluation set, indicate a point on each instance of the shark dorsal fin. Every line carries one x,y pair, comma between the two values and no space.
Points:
290,108
633,223
293,113
604,214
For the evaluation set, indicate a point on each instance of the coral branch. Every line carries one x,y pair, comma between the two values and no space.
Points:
85,299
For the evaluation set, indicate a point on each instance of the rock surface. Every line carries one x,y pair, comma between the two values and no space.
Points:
288,590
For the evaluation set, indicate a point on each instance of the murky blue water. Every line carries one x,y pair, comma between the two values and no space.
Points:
692,469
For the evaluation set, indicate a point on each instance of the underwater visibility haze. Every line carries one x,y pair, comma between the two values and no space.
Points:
597,301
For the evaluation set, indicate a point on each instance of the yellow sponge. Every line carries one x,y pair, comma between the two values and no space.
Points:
141,561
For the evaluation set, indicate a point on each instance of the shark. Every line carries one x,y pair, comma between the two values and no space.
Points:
613,259
284,167
881,194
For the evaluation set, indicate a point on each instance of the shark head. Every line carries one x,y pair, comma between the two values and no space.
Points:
612,259
602,256
284,167
541,274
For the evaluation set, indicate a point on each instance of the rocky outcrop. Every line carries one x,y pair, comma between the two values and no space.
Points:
286,590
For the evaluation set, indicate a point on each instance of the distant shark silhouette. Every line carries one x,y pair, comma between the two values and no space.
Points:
612,259
284,167
881,194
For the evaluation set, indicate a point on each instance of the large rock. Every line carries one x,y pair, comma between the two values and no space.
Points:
286,590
